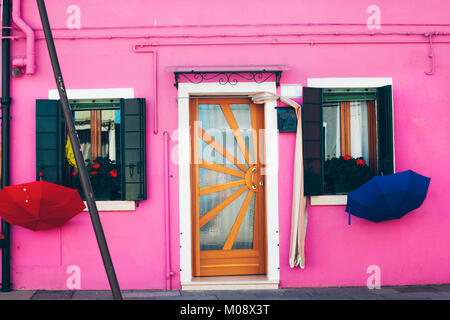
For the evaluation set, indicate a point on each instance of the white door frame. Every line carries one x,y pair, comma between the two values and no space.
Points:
185,90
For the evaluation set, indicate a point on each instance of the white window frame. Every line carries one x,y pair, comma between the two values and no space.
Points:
106,93
186,90
339,200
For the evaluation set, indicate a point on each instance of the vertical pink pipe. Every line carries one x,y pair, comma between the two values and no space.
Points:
28,61
169,272
155,94
155,87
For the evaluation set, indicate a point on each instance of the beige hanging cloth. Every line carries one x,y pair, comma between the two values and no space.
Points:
299,217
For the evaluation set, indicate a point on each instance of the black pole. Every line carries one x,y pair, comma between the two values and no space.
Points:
85,182
6,103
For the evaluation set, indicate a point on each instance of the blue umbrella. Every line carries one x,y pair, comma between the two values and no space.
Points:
388,197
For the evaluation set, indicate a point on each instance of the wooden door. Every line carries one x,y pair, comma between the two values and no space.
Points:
227,187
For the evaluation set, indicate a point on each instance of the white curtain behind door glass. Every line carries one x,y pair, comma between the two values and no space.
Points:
214,233
359,130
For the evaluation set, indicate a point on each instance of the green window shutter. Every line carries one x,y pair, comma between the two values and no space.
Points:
385,130
50,132
133,160
313,154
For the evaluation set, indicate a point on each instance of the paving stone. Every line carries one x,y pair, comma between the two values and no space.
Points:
284,294
412,289
441,296
203,297
235,295
195,293
92,295
17,295
52,295
441,287
143,294
412,296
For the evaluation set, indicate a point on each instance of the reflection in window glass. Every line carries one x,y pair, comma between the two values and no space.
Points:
359,130
331,127
106,128
99,134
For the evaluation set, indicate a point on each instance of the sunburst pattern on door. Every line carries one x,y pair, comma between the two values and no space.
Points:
228,188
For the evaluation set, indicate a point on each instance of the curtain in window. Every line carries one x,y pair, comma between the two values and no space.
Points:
332,132
359,130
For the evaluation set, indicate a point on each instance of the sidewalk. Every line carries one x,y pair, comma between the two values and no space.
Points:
425,292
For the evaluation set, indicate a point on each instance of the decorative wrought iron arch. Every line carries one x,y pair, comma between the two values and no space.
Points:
228,75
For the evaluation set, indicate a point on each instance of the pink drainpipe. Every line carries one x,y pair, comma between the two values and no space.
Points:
169,273
155,86
28,61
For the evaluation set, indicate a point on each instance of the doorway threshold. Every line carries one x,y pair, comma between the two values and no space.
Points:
253,282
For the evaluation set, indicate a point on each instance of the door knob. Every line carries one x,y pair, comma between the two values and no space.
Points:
254,187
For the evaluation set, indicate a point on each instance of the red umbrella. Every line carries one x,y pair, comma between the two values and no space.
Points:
39,205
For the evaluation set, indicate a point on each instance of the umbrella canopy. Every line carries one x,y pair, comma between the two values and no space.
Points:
39,205
388,197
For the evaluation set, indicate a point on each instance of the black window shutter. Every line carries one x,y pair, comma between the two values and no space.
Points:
133,160
50,132
313,154
385,129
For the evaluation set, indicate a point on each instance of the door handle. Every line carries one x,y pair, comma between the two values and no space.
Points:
254,187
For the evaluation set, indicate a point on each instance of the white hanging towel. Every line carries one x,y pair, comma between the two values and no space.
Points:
299,216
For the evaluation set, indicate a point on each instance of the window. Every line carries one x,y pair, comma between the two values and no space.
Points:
347,137
112,138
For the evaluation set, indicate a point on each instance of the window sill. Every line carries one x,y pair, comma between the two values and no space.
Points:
329,200
114,206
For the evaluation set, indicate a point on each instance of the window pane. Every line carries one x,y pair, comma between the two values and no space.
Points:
342,174
99,134
359,130
109,137
331,127
83,127
109,134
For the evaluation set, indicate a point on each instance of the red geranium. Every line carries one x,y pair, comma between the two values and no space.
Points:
360,162
94,173
347,157
95,166
113,173
74,173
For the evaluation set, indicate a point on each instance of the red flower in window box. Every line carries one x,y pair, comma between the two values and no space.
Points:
101,172
345,174
74,173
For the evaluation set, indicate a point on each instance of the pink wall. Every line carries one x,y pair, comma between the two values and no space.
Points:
412,250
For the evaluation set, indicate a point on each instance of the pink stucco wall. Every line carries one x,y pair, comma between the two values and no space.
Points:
412,250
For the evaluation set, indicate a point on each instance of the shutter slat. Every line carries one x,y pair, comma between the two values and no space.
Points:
313,155
385,130
133,142
50,131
